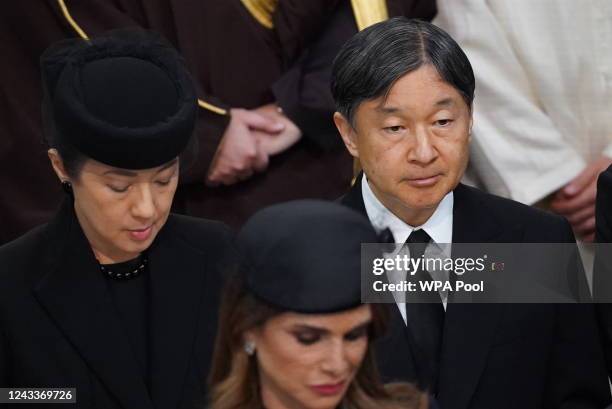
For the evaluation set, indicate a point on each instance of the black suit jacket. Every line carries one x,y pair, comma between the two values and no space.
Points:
58,327
604,207
602,278
500,355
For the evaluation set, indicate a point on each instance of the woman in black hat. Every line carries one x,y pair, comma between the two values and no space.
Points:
115,297
293,333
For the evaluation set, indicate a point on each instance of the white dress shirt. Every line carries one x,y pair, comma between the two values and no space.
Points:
439,226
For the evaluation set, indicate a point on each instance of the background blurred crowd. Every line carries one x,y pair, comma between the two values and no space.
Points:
265,134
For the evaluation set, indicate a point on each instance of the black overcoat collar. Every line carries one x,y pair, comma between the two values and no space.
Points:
76,297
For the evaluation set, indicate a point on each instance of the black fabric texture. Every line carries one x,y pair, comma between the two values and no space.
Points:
305,256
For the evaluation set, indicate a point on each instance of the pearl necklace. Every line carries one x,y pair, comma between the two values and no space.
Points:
125,276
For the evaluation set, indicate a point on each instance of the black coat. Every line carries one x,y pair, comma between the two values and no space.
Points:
58,327
498,356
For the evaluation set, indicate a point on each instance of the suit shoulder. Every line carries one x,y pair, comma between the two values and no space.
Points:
200,233
604,185
606,176
22,247
20,256
549,226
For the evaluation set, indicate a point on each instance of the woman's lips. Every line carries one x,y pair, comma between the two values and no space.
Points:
424,182
329,389
141,234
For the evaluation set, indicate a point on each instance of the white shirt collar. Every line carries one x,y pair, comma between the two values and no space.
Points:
439,226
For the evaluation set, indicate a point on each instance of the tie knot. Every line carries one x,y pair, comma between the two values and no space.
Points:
418,236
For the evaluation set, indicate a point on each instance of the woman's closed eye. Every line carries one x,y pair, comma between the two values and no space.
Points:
118,189
307,337
163,182
357,333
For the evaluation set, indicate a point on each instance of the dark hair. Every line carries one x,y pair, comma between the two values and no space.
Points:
72,159
370,62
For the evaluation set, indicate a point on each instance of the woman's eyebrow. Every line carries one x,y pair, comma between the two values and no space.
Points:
167,165
360,326
120,172
304,327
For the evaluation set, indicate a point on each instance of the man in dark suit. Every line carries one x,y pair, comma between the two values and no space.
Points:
602,274
404,91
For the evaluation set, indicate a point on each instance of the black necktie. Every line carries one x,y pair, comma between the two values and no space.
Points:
425,315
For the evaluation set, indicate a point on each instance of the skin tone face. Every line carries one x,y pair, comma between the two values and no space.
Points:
413,144
120,211
308,361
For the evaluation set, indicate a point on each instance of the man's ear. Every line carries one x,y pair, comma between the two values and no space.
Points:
58,165
348,134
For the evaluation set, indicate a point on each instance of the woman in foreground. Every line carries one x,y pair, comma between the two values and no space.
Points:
293,333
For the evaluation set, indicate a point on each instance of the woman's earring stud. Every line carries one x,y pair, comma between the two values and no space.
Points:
249,347
67,186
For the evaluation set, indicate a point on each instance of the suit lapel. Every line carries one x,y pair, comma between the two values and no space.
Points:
178,274
397,347
75,296
469,329
353,198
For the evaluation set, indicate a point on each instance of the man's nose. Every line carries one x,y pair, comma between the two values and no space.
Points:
423,151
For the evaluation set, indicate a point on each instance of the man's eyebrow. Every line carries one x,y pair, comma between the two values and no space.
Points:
387,109
390,109
445,102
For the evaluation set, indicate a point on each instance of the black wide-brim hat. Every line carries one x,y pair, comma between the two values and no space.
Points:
305,256
124,98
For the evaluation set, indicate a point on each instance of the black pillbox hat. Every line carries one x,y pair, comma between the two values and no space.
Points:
305,256
124,98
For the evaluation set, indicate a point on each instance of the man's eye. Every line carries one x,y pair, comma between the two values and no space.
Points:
118,189
394,129
307,339
444,122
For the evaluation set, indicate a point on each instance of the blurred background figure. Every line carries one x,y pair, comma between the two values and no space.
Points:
292,330
602,280
542,118
262,72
